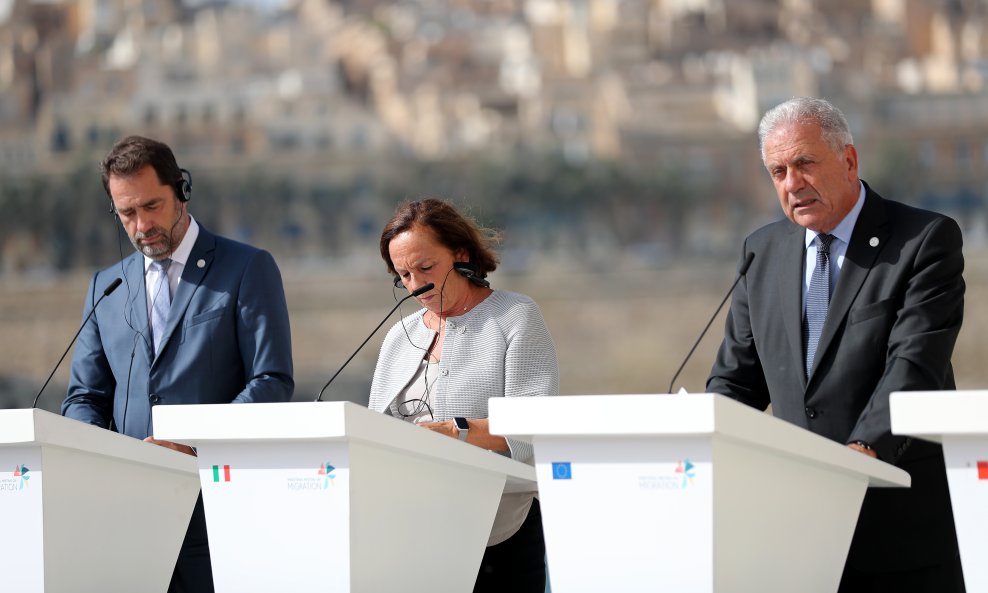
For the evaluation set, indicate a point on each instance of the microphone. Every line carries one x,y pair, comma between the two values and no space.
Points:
741,273
419,291
106,292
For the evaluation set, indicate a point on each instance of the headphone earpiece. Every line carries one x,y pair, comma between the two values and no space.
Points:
183,188
471,273
397,281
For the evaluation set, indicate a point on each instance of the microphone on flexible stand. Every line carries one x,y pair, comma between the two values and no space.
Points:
741,273
417,292
106,292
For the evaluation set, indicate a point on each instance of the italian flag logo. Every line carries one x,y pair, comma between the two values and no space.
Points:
221,473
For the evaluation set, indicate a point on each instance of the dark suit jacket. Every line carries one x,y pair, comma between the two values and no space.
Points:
892,323
227,339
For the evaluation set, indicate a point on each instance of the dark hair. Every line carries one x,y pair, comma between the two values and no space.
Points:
452,229
133,153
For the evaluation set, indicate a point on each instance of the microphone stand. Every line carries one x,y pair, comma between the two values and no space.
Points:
106,292
421,290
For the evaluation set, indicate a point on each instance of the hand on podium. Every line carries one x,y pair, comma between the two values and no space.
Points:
860,448
479,435
170,445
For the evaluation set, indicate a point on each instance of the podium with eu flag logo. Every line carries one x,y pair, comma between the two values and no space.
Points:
86,509
331,496
959,421
693,493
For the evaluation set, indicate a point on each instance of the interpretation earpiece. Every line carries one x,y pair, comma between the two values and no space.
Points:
397,281
471,273
184,186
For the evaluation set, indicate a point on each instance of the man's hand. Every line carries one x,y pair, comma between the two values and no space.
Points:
861,449
170,445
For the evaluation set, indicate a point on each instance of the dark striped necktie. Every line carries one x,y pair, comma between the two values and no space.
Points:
817,298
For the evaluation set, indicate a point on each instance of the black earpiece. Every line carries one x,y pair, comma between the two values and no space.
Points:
471,273
397,280
183,187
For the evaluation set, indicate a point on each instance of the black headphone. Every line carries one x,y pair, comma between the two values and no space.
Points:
466,269
183,187
471,272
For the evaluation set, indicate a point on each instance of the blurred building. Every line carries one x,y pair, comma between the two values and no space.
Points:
323,86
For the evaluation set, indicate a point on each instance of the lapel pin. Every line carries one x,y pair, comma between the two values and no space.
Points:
202,263
873,242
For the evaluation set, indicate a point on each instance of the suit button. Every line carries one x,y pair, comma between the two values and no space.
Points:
154,398
810,412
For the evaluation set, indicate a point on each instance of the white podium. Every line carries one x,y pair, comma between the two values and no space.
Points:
688,493
331,496
84,509
958,420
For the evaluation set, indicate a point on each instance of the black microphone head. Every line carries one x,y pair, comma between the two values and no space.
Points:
746,264
423,289
113,286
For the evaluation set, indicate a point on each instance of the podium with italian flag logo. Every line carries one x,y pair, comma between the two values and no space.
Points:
331,496
959,421
87,509
692,493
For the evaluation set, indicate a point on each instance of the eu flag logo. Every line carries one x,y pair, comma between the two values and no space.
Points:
561,470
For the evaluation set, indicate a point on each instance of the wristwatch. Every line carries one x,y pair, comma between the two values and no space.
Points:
462,426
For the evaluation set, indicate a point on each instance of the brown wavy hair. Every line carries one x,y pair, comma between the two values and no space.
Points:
453,230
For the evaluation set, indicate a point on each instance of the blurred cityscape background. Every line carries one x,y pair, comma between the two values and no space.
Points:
613,141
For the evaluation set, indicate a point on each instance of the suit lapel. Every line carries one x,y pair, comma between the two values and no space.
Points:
203,251
791,295
858,260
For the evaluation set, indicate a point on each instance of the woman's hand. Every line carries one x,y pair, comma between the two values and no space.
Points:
479,435
446,427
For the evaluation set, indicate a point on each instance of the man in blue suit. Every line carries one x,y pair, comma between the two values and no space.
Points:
203,319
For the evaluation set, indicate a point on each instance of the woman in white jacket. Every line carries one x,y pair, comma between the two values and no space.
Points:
438,366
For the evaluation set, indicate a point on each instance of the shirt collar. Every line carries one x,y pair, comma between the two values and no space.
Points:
184,249
843,230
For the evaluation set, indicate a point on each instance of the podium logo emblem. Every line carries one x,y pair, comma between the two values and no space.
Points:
983,470
561,470
326,471
20,471
685,468
221,473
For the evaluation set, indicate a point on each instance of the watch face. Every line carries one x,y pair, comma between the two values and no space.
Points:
461,424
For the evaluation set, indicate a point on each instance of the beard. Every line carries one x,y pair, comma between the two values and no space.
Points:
163,246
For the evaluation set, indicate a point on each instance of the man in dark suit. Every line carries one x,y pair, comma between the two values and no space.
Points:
203,319
825,328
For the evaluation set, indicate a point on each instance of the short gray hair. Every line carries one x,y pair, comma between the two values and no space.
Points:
832,123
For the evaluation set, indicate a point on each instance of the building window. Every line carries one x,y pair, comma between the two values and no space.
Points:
962,155
927,155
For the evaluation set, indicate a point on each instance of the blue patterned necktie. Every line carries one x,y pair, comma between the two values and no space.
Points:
817,298
161,301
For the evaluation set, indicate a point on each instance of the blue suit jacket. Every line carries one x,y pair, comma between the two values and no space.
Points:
227,339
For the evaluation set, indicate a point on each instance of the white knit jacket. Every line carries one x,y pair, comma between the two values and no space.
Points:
500,348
